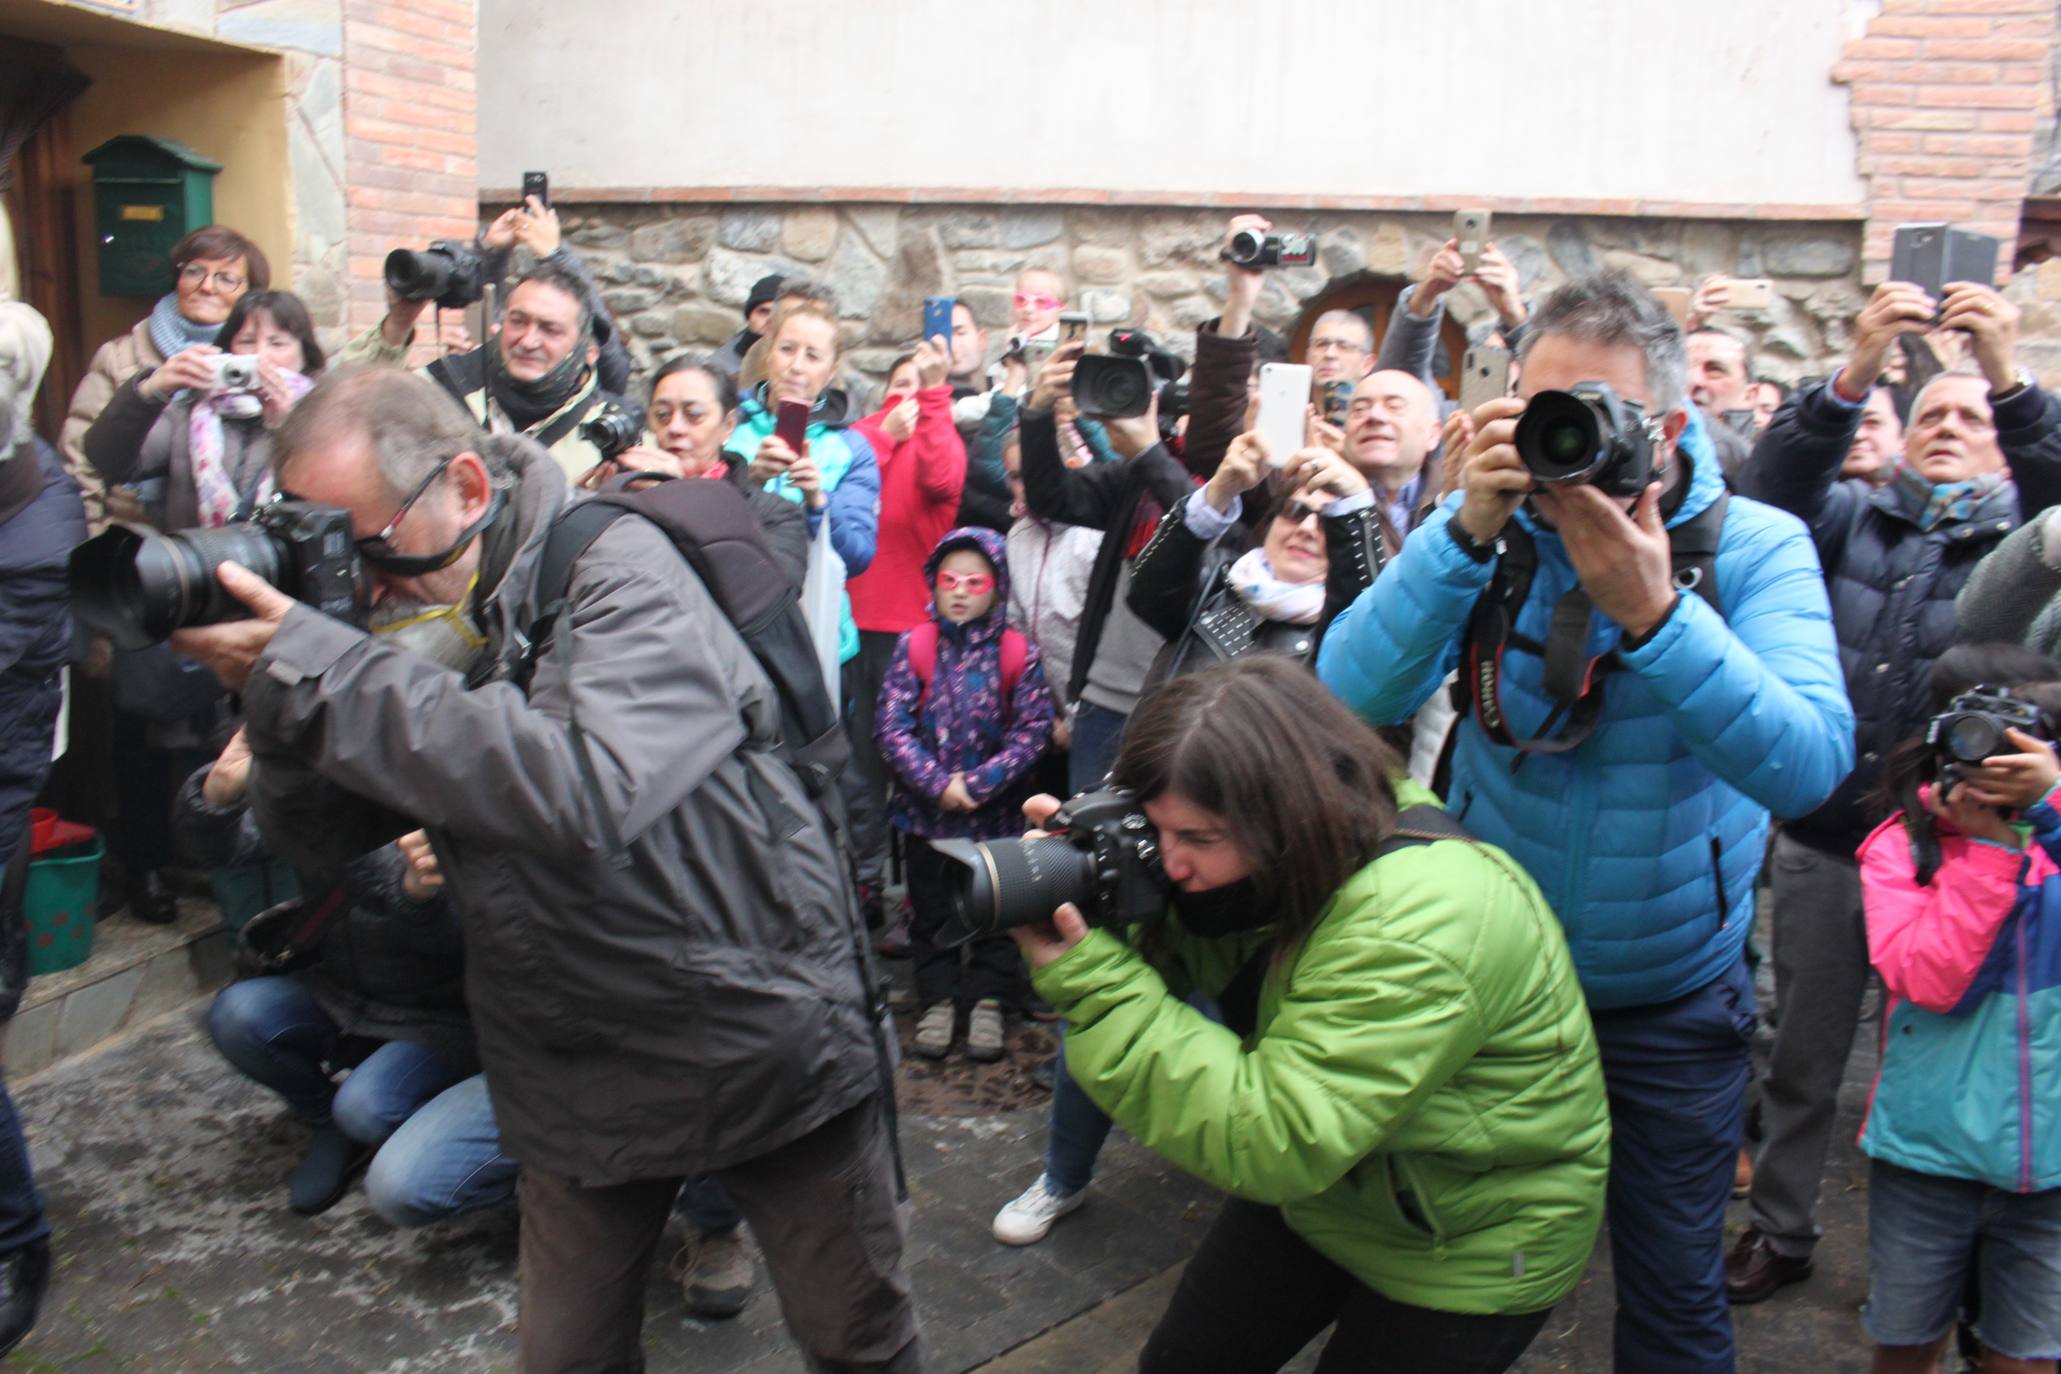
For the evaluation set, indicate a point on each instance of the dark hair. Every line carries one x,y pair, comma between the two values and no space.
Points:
286,311
896,366
724,383
220,243
2024,673
1304,786
551,274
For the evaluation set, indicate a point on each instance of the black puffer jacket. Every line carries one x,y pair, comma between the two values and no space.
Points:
1181,587
1892,583
392,968
40,520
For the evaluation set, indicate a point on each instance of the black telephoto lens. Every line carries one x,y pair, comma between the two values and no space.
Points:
416,275
137,588
1560,438
1005,884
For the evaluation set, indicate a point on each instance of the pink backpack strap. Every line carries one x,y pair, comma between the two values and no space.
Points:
923,659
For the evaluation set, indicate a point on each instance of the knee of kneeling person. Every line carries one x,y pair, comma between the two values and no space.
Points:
237,1019
399,1194
362,1114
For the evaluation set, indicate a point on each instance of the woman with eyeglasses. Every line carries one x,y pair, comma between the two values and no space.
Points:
211,269
1318,552
202,436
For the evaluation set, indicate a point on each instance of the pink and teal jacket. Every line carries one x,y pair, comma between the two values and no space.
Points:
1971,1031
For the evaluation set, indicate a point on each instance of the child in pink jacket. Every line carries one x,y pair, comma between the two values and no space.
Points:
1962,892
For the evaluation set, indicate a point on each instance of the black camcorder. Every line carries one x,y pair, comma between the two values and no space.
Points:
448,272
1251,250
137,587
612,429
1122,382
1586,434
1972,727
1103,857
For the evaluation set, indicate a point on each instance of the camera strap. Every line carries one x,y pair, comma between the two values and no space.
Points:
1573,679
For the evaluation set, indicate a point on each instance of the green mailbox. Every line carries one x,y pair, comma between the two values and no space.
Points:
148,193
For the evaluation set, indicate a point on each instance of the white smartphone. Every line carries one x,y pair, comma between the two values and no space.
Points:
1471,231
1284,403
1484,376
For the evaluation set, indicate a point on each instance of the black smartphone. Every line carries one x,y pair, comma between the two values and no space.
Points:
539,185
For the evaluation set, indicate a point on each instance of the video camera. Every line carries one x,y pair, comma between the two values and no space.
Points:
136,588
448,272
1972,727
1122,382
1587,434
1104,858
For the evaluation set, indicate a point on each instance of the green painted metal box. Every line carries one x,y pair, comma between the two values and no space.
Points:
148,193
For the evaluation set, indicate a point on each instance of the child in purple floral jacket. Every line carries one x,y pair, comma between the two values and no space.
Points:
964,716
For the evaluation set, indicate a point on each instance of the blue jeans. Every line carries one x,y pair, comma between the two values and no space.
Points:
22,1221
1097,731
443,1159
1075,1133
274,1032
1676,1076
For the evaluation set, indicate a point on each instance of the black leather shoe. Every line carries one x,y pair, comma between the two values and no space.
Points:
1753,1271
151,900
24,1274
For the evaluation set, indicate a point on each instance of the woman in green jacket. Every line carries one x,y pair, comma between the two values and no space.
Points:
1409,1113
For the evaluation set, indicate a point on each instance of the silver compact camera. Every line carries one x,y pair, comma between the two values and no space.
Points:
234,372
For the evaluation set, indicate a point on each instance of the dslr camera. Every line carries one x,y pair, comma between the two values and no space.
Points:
137,587
1122,382
612,429
1253,250
1589,434
1104,859
1972,728
233,372
448,272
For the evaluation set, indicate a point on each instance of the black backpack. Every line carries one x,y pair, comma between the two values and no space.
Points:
714,529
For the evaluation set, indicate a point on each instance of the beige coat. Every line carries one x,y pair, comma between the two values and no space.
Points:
115,362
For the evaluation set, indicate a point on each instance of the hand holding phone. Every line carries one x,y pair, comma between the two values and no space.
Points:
791,426
536,184
1470,234
937,319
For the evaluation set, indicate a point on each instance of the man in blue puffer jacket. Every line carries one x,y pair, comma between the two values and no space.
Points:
1646,837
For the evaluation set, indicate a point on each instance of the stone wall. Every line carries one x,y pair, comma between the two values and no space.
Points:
676,275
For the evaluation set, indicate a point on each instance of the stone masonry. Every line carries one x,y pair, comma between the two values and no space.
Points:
677,275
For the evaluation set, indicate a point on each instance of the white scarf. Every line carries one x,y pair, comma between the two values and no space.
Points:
1293,603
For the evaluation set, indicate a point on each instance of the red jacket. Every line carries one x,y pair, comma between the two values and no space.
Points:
920,482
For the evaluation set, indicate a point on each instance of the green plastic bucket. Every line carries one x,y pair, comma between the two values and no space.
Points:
243,890
63,893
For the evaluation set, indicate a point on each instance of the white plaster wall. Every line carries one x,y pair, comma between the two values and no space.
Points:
1598,99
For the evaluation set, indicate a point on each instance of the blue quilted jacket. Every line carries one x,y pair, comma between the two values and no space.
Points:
1646,838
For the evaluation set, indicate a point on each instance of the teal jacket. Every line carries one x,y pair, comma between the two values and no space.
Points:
1422,1096
851,480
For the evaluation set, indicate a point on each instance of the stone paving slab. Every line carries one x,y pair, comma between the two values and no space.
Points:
165,1177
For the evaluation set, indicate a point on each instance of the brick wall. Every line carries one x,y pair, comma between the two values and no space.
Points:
411,114
1948,99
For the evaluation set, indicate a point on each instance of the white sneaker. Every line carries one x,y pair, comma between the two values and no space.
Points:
1027,1219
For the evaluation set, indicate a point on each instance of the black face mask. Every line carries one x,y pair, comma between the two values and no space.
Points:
1224,910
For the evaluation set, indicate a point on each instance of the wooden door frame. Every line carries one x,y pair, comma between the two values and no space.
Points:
1377,295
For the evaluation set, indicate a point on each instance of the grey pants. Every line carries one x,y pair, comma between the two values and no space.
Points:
1821,975
822,1209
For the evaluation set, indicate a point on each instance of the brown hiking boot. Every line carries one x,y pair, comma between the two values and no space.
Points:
1753,1271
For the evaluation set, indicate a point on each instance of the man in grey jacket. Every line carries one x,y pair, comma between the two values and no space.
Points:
663,956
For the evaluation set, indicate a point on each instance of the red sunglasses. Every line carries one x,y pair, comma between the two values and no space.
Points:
974,584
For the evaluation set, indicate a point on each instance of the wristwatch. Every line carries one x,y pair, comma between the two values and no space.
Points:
1469,545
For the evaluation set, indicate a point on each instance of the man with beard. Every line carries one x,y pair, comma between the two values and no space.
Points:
535,377
660,930
1391,436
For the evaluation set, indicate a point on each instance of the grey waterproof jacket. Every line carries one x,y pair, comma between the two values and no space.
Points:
687,1002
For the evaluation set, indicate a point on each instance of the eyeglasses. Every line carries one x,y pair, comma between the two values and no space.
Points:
379,551
973,584
193,274
1329,344
1026,301
1296,512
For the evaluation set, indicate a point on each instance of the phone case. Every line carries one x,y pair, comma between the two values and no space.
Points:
1484,376
793,424
1284,400
937,318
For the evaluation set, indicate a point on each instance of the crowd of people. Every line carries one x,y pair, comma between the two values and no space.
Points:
1464,797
